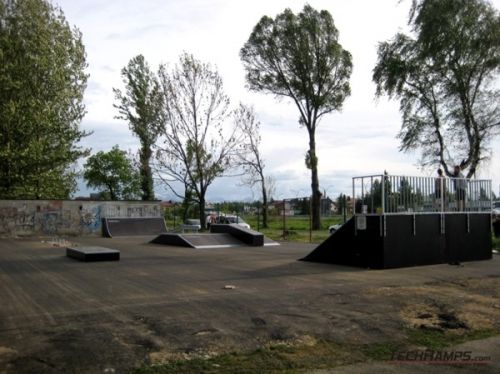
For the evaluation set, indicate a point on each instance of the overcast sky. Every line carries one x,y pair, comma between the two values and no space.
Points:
360,140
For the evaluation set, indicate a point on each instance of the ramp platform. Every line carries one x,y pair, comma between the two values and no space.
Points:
394,241
220,236
248,236
88,254
132,226
198,240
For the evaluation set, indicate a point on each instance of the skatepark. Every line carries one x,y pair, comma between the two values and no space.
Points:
165,302
125,300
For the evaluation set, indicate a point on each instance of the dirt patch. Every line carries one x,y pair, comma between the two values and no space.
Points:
470,304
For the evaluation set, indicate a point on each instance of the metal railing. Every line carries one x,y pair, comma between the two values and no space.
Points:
390,194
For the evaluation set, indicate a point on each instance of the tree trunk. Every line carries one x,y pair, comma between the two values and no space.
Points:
316,194
264,204
201,207
146,174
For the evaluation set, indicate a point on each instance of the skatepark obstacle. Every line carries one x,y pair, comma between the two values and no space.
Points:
220,236
132,226
91,253
406,221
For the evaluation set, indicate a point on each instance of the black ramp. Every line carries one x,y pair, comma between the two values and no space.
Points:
133,226
401,240
247,236
213,240
90,253
220,236
198,240
348,246
171,239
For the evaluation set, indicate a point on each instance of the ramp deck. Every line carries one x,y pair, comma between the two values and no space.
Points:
92,253
221,236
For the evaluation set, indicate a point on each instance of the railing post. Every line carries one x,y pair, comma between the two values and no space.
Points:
383,194
441,180
353,197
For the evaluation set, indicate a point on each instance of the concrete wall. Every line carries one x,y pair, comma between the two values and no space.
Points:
67,217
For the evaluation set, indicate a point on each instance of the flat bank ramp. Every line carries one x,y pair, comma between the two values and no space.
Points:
199,240
132,226
220,236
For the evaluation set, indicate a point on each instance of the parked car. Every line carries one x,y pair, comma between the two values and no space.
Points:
234,219
495,210
227,219
191,225
334,228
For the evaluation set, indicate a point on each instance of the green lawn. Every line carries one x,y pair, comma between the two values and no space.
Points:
496,243
297,228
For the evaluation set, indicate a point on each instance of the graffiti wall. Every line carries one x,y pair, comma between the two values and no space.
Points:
67,217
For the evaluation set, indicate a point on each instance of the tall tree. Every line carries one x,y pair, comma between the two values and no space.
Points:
198,142
113,173
444,78
42,81
140,105
299,57
250,158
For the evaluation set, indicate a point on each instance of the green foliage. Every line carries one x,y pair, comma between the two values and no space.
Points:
113,172
299,57
141,105
42,81
444,78
278,358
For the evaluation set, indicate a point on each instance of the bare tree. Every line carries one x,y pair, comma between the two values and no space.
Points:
198,142
250,158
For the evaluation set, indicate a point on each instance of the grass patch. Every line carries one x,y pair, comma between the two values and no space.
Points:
273,359
297,228
434,339
380,351
496,243
283,358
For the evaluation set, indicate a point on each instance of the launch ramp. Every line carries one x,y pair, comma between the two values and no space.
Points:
409,221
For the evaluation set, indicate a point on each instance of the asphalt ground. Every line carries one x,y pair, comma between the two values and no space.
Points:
59,315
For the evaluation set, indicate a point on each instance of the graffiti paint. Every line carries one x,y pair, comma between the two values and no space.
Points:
66,217
91,218
50,222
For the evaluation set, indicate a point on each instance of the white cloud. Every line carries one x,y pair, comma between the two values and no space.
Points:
359,140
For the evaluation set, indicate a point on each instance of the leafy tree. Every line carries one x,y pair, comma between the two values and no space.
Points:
250,158
42,81
198,144
140,105
113,172
444,78
299,57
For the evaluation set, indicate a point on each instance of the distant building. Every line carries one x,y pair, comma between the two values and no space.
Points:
280,205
